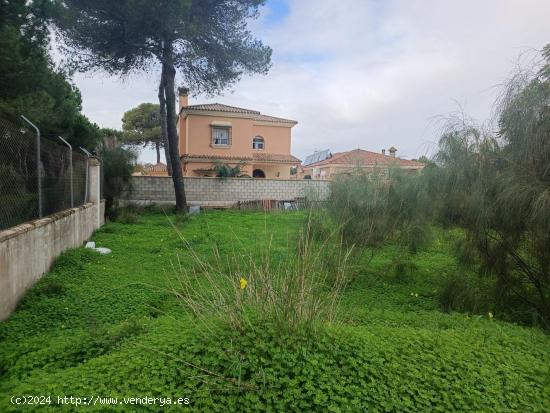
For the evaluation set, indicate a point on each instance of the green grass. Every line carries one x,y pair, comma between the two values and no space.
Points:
110,326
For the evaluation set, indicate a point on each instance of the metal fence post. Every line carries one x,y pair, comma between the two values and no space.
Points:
88,154
38,174
70,167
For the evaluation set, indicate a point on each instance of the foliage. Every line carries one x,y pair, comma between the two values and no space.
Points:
497,188
132,36
224,170
141,126
31,85
209,43
494,186
372,208
118,165
110,325
110,138
461,293
17,202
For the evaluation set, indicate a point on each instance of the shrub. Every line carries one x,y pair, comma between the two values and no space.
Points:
459,293
117,167
224,170
373,208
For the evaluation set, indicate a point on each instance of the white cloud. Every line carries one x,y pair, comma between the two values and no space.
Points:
367,73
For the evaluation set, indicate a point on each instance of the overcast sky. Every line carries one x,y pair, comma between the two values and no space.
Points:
360,73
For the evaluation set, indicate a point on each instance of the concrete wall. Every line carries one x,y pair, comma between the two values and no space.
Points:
224,191
28,250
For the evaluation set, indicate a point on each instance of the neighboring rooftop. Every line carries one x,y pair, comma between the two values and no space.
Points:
159,167
219,107
317,156
362,157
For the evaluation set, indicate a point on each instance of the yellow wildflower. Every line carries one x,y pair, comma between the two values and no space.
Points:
490,314
243,283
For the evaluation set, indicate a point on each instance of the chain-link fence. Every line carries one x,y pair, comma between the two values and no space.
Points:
37,177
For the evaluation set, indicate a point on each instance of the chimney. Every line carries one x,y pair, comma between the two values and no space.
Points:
392,151
383,151
184,96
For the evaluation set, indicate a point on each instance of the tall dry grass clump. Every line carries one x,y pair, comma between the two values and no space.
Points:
295,290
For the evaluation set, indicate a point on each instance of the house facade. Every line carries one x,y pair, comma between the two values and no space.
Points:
331,165
210,133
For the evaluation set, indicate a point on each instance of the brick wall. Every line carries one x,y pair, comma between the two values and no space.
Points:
224,191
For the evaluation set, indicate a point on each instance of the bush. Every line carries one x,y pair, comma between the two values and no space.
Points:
373,208
224,170
117,167
458,293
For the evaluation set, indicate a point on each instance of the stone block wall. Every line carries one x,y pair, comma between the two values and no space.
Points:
224,191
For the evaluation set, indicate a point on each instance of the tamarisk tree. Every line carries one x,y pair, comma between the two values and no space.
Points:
496,186
207,41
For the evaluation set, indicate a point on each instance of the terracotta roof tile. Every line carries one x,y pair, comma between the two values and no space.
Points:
266,118
187,156
258,157
218,107
362,157
270,157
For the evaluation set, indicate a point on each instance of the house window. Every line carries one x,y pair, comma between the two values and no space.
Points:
258,143
221,136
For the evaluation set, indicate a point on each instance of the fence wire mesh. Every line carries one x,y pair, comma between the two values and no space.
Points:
21,169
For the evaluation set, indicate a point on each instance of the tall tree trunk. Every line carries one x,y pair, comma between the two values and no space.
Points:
171,133
157,147
163,133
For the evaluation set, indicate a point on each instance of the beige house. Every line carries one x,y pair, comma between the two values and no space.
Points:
330,165
208,133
